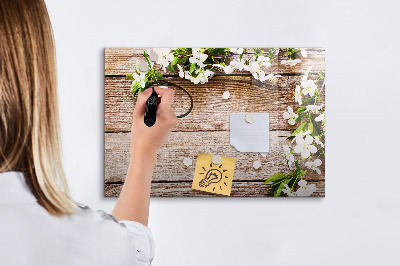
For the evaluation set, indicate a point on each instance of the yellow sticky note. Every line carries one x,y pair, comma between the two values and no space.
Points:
214,178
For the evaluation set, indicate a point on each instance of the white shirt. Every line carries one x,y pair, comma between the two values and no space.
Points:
29,235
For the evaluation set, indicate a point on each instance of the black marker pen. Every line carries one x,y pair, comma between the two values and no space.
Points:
151,109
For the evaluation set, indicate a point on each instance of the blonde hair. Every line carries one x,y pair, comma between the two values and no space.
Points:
29,122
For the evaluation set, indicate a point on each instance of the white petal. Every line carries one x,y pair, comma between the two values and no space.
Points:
286,115
312,149
317,162
305,153
302,183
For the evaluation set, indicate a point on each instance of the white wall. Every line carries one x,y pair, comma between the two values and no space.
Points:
358,221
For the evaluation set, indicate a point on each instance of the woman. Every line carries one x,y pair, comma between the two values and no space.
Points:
39,222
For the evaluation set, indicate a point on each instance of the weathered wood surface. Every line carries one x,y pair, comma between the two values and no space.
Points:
121,61
184,189
210,111
181,144
206,128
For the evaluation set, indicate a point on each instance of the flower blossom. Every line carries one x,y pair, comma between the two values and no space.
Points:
288,155
297,95
303,52
304,146
198,57
257,67
290,116
236,50
313,108
181,72
290,62
202,76
320,118
309,87
139,79
165,57
318,141
227,69
314,165
304,190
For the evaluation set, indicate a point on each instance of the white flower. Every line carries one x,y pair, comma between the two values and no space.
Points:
290,115
314,165
304,146
309,87
258,66
140,78
240,65
272,77
164,57
265,61
227,69
297,95
198,57
181,72
321,117
318,141
303,52
288,154
288,191
305,76
290,62
301,135
313,108
236,50
202,76
305,190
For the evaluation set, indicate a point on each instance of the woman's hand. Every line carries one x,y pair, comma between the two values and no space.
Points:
148,140
134,200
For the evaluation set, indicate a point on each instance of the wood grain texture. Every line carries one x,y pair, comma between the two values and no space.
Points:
184,189
179,145
206,128
210,111
121,61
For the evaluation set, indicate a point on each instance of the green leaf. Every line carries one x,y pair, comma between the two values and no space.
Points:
301,109
310,127
129,76
317,130
147,58
298,130
301,117
192,68
278,191
275,178
297,165
309,100
182,60
173,63
218,50
170,68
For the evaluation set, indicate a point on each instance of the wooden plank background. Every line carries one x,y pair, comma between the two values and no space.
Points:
206,128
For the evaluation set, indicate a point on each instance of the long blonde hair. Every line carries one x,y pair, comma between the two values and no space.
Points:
29,122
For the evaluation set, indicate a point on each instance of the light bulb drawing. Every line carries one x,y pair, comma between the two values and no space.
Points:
213,176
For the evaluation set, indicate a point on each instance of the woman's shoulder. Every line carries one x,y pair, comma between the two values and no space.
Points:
138,236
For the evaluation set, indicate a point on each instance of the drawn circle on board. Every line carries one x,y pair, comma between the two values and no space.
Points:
164,83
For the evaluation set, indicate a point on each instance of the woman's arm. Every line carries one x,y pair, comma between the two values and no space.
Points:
133,202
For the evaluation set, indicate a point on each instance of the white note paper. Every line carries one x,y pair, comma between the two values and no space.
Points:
249,137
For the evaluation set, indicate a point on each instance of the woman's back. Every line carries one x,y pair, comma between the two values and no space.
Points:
31,236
